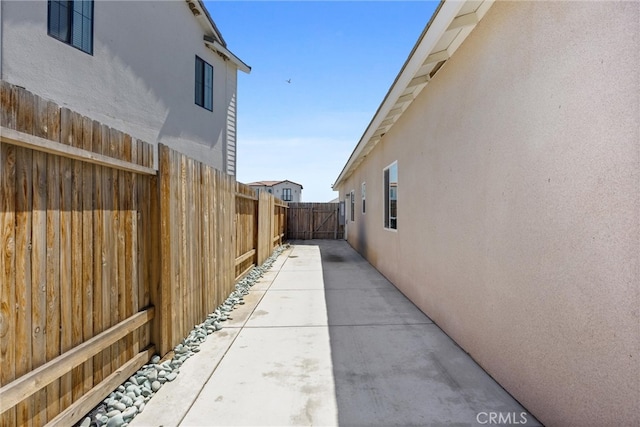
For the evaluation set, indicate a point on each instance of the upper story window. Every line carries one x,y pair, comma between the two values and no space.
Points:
286,195
71,22
204,84
391,196
363,191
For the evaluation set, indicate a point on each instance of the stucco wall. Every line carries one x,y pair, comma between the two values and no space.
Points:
519,206
140,78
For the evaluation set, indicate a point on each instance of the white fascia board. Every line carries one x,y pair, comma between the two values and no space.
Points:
439,24
217,47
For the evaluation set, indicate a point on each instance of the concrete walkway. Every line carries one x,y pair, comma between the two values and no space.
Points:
324,339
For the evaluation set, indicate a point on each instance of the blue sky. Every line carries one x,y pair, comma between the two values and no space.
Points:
341,57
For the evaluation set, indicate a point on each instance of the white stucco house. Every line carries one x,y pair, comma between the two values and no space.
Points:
286,190
497,187
158,70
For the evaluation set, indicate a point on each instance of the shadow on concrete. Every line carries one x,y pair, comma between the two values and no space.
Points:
392,365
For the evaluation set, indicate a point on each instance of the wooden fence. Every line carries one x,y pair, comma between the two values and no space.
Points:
314,221
104,260
260,227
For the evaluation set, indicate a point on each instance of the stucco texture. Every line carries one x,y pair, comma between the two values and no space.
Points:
519,206
140,78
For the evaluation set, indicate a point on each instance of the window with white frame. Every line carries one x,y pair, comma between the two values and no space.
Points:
391,196
353,205
286,194
363,190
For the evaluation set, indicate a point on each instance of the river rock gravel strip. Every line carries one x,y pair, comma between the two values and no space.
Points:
130,398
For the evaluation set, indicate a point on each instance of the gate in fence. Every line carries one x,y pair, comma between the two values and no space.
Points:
314,221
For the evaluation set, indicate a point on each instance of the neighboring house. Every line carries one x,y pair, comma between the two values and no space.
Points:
158,70
510,138
286,190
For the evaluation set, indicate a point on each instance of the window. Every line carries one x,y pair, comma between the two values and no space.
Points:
391,196
363,190
204,84
353,205
71,22
286,194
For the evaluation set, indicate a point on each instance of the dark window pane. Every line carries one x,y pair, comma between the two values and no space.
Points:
386,198
393,196
353,206
204,84
199,76
59,20
76,36
208,87
87,40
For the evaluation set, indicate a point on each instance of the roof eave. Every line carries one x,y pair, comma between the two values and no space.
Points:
226,53
204,13
422,64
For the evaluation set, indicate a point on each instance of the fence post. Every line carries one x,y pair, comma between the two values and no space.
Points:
162,325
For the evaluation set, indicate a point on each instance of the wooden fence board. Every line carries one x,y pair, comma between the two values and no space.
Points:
26,117
119,297
205,233
99,252
89,172
52,327
24,202
141,216
39,277
108,250
68,132
161,298
7,272
76,378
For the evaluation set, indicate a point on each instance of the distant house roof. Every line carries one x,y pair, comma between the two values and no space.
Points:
271,183
449,26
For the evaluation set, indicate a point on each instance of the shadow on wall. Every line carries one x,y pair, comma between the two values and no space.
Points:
362,246
143,86
188,121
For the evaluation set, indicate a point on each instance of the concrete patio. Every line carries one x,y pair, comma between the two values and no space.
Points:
325,339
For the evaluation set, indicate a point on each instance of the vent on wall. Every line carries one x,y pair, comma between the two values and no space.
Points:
436,68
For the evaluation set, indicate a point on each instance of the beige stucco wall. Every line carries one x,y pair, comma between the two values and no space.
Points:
519,206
